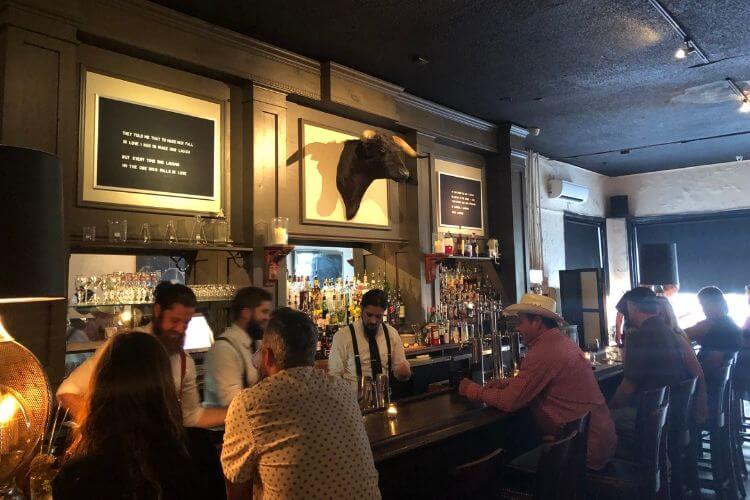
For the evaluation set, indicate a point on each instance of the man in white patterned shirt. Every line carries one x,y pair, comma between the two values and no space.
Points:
298,427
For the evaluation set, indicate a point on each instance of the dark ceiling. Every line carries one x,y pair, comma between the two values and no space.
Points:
598,77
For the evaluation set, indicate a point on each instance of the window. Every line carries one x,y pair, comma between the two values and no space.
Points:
712,249
586,244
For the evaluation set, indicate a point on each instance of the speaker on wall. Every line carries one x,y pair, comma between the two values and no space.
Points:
618,207
657,264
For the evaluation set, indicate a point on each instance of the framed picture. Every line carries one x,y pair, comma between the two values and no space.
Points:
460,198
321,149
149,148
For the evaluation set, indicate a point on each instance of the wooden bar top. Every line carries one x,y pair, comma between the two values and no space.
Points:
423,420
433,417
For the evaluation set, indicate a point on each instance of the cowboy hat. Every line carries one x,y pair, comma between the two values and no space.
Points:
532,303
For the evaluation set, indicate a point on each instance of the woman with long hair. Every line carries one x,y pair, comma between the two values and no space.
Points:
131,443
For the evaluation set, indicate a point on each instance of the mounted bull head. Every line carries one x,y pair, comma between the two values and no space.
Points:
373,156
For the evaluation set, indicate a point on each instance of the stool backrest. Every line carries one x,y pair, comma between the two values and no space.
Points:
680,405
647,402
650,444
558,468
581,426
717,386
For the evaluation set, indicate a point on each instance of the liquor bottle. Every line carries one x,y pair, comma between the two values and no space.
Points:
448,244
401,307
458,250
434,332
445,334
468,252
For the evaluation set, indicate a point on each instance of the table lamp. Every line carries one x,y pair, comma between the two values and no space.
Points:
657,264
32,301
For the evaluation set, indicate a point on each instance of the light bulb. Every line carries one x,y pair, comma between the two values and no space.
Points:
745,107
8,408
681,53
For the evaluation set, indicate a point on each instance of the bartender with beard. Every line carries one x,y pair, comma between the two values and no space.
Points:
173,308
368,346
231,363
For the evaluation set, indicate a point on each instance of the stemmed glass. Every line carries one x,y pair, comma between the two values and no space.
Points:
80,290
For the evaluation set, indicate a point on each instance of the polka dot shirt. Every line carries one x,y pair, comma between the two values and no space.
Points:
299,434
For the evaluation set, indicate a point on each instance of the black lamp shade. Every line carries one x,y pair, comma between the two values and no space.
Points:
657,264
33,256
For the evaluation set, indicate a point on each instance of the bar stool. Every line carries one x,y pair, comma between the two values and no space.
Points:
712,444
554,470
639,478
524,468
560,464
678,433
735,431
646,402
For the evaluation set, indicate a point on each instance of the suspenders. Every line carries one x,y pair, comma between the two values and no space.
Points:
358,361
245,383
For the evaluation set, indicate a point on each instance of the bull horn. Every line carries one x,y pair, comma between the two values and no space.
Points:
368,134
405,146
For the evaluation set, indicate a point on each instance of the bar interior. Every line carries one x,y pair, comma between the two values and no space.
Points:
316,251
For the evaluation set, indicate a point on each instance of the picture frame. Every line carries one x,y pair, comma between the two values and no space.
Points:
460,200
321,203
145,147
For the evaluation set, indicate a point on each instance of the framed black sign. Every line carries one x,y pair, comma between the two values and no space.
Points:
460,202
148,147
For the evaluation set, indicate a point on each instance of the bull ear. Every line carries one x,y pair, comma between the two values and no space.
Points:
405,146
368,134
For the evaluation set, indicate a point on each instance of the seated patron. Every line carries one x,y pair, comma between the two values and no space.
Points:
298,433
173,308
131,442
654,359
693,366
622,321
555,380
718,335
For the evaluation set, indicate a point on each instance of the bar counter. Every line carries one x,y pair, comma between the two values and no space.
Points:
436,416
434,432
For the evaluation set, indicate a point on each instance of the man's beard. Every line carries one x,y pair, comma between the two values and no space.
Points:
172,340
371,330
254,330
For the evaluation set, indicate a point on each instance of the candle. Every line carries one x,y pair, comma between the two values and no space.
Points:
279,236
391,411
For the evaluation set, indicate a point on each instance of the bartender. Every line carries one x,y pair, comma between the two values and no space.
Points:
230,364
174,305
368,346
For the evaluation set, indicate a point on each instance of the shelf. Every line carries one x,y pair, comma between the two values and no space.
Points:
156,247
112,304
431,261
469,259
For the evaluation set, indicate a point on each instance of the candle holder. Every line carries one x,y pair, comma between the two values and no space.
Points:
278,231
273,255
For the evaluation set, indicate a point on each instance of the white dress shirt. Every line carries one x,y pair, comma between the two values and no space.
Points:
341,360
79,381
230,367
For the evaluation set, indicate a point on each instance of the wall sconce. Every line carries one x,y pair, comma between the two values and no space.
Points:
536,278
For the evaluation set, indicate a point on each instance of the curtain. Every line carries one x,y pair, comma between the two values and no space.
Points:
533,211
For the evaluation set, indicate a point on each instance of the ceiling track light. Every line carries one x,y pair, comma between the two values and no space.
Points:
745,106
689,44
684,51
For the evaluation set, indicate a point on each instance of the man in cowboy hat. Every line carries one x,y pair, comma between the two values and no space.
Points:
555,380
